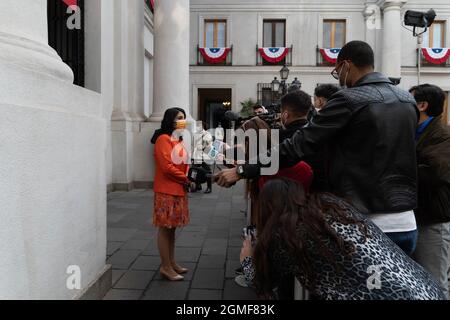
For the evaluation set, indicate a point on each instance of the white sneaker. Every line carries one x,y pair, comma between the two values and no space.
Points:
240,280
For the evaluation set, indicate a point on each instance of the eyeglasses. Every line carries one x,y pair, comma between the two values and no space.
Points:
335,72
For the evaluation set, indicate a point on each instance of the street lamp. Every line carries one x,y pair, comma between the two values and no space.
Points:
296,83
284,73
275,85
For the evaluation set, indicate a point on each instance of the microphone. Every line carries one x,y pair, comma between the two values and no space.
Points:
232,116
199,175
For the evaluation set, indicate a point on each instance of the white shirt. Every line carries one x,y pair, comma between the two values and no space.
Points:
395,222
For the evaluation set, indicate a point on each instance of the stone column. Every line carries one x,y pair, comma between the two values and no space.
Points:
52,172
24,38
171,64
392,41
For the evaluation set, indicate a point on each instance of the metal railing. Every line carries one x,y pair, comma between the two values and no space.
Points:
424,62
227,62
287,60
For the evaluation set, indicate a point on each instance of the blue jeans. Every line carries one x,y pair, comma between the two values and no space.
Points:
407,241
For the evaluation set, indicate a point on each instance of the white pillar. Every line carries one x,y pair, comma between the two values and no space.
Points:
24,38
52,184
171,64
392,41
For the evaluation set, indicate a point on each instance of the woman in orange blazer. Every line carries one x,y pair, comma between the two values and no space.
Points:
170,186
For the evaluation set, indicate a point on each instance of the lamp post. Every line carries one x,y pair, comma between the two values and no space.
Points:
281,88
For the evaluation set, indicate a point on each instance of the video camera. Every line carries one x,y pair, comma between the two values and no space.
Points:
271,118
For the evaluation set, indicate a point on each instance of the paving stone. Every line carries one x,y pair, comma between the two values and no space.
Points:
116,275
146,263
187,254
123,259
120,234
230,269
120,294
113,246
190,239
211,262
215,247
136,244
144,234
167,290
208,279
234,292
151,249
233,253
134,279
202,294
114,217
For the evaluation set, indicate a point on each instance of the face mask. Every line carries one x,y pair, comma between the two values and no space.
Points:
180,124
283,123
343,84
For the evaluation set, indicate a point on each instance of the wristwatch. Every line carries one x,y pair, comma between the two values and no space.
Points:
240,171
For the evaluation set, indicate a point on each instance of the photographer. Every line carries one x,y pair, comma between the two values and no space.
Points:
330,248
370,127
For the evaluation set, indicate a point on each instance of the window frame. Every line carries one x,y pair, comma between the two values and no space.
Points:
333,31
430,32
215,31
273,22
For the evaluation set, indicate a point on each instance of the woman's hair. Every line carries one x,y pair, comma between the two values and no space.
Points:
169,118
295,218
252,188
167,126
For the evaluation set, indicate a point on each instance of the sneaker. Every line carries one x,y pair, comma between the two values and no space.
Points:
239,271
240,281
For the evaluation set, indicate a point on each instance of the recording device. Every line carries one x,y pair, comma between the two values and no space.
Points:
270,118
419,19
249,231
199,175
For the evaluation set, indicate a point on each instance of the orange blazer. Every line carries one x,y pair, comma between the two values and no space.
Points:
169,176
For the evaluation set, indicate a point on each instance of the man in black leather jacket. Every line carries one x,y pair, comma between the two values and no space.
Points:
370,126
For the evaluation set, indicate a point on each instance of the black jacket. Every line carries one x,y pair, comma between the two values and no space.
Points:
370,132
433,158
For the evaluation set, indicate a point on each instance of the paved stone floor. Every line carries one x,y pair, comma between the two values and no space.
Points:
209,246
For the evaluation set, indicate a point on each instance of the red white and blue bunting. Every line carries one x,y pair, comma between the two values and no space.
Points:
274,55
214,55
330,55
436,55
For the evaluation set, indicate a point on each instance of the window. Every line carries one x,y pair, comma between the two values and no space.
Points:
334,33
215,35
435,36
274,33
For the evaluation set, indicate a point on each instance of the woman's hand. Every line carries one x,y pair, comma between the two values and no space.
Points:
247,248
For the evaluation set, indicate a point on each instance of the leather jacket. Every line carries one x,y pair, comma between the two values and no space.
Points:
370,130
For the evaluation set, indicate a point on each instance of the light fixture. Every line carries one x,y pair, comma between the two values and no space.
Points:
296,83
284,73
275,85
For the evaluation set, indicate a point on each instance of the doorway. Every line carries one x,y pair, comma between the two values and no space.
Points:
212,105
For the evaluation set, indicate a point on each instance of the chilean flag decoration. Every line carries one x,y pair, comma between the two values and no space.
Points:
436,55
214,55
274,55
330,55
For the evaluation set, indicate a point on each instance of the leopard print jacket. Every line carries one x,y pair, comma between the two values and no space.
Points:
378,270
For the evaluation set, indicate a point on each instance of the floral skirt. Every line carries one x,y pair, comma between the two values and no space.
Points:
170,211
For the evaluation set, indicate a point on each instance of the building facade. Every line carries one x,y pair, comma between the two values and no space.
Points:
304,27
